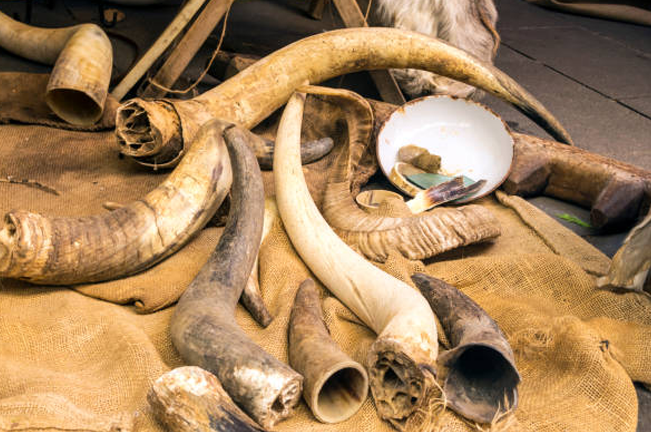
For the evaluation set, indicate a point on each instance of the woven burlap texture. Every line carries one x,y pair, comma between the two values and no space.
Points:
73,361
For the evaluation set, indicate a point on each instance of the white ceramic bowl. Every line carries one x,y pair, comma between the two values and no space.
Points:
471,139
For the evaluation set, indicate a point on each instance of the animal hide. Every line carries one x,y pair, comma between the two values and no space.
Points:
466,24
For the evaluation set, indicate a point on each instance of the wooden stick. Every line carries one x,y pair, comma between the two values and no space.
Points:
189,45
386,85
156,50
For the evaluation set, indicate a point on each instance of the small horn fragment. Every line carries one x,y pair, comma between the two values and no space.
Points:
252,95
311,151
401,359
376,236
127,240
630,266
203,326
190,399
251,296
82,57
482,379
335,386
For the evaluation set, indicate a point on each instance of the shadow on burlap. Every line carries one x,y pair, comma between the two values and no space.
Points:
73,361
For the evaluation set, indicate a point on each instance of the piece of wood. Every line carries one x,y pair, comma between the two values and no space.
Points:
187,48
616,193
170,33
386,84
316,9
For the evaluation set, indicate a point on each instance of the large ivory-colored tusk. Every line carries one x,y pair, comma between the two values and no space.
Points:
481,378
82,57
335,385
631,264
145,129
203,327
127,240
190,399
376,236
400,361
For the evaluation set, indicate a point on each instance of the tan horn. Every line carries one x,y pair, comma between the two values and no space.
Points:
82,57
127,240
253,94
335,385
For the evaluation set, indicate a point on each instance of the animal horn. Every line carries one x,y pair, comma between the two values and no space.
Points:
127,240
82,58
190,399
482,379
253,94
632,262
335,386
400,360
203,326
376,236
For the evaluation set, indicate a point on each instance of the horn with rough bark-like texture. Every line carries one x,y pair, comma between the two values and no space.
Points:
190,399
335,386
401,359
82,57
481,382
376,236
616,192
203,327
630,266
147,129
127,240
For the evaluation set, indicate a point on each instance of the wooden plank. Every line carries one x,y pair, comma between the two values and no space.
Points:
187,48
386,84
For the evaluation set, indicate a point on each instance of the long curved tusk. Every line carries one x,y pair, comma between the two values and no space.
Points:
82,56
401,358
190,399
203,327
481,381
376,236
335,385
253,94
127,240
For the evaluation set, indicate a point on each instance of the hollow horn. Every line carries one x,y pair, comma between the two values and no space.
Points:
481,382
335,386
82,58
203,326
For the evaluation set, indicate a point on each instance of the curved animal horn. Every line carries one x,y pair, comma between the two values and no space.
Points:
482,379
82,58
253,94
335,385
402,357
203,327
190,399
375,236
127,240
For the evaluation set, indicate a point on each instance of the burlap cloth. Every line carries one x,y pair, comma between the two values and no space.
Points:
74,360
